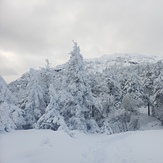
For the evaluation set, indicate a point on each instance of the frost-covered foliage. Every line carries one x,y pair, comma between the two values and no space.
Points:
79,100
5,93
91,96
75,90
52,119
158,91
32,100
11,117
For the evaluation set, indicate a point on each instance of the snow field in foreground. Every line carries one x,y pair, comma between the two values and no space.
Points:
40,146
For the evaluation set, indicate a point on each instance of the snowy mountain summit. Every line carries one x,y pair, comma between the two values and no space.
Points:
110,94
119,59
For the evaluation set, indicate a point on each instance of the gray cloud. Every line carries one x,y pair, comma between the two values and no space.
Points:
5,68
37,29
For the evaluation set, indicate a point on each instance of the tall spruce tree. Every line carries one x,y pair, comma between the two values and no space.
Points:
75,98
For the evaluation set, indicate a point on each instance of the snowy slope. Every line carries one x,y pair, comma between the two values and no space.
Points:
40,146
99,64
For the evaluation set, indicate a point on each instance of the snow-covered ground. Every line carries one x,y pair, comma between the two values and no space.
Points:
148,122
46,146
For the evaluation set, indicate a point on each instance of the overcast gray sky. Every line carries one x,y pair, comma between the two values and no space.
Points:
32,30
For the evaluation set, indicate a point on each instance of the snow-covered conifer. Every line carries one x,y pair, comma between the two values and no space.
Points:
158,93
76,99
52,119
33,103
10,115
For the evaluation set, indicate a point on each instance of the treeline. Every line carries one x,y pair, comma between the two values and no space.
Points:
73,97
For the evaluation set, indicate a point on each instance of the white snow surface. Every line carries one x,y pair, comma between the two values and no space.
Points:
41,146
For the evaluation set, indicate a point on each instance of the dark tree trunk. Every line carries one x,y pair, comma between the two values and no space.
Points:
149,113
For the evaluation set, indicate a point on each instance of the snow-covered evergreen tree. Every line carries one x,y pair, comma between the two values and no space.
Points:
5,93
52,119
75,98
158,92
32,101
10,115
45,81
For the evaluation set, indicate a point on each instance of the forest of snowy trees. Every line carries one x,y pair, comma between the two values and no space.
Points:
76,96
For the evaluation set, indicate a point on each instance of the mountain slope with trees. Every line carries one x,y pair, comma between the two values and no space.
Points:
99,95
